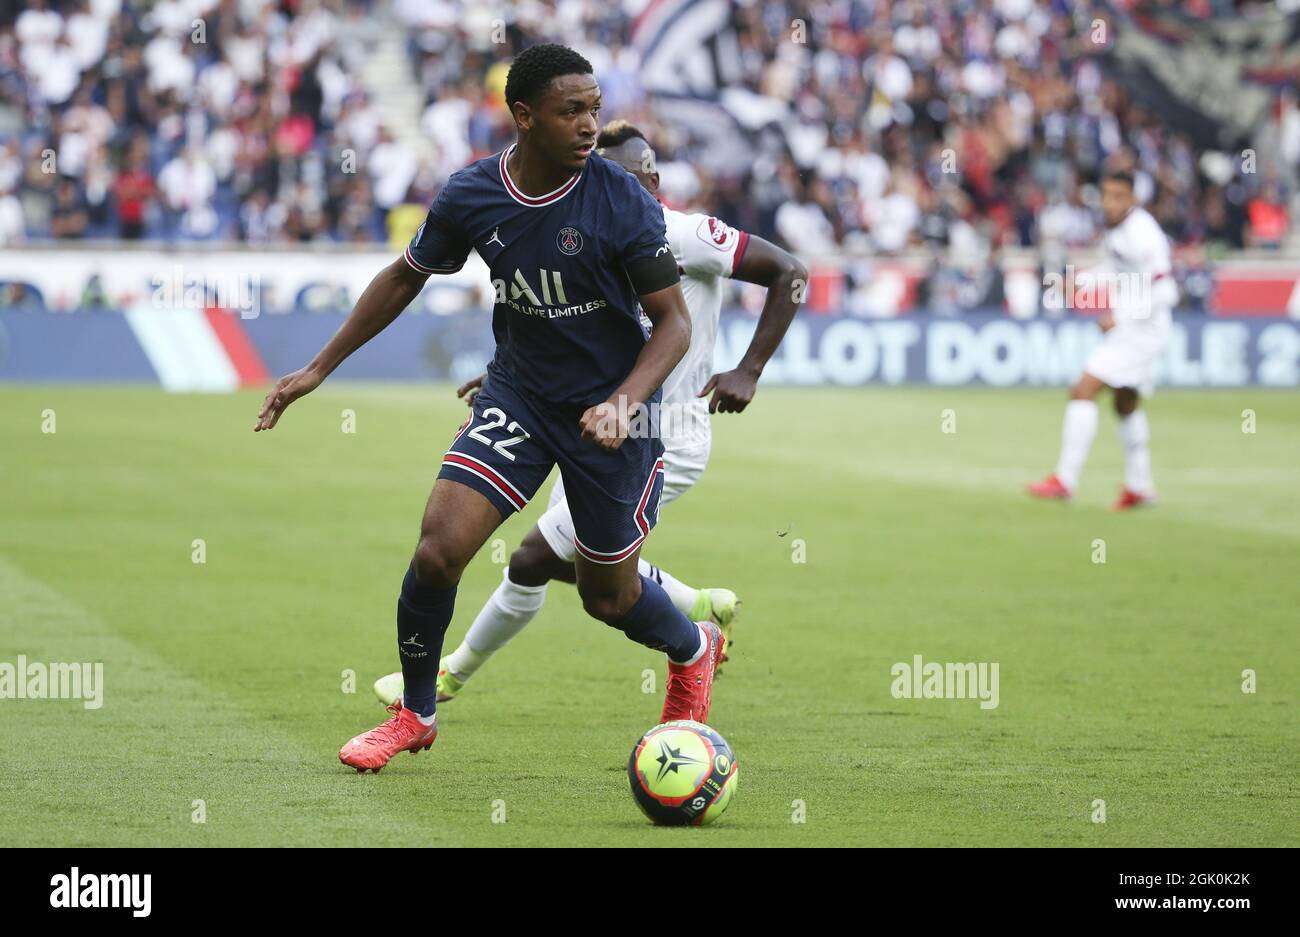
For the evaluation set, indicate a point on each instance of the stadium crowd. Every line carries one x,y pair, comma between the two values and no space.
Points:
966,125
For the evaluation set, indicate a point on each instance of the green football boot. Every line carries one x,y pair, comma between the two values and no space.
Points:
389,687
721,607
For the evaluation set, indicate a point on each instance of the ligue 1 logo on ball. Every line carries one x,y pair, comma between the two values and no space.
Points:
569,241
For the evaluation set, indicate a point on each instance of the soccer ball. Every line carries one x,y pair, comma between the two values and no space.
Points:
682,774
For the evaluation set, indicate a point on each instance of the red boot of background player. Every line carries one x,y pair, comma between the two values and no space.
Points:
1131,499
1050,488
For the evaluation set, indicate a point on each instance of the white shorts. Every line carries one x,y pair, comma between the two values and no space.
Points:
682,469
1127,357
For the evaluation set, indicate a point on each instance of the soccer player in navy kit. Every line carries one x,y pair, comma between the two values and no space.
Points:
572,243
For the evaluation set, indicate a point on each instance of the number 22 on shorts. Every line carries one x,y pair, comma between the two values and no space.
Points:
495,418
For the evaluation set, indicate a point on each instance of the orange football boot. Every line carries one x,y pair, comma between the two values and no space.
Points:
402,733
690,686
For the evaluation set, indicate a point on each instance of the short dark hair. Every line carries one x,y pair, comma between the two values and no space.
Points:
533,70
616,133
1119,175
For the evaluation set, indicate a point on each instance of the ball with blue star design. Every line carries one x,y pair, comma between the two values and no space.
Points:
682,774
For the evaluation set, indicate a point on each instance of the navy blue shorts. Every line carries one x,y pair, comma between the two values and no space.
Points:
506,450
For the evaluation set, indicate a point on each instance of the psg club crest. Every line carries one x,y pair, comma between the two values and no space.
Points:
569,241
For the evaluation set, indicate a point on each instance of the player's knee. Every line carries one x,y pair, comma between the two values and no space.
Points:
530,565
436,565
1125,402
607,605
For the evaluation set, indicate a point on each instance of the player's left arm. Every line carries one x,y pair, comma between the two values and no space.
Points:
669,341
606,424
640,240
786,279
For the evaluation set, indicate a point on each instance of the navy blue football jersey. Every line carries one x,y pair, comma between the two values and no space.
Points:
566,318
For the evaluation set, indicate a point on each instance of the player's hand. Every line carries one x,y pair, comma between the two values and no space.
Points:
732,391
605,424
286,390
469,390
1106,321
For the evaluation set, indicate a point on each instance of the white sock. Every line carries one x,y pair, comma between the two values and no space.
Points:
1077,432
427,720
507,612
682,596
1135,434
704,646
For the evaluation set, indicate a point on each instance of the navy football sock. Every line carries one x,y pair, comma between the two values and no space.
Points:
655,622
423,614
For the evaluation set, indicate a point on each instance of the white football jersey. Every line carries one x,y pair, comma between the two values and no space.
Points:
707,251
1138,245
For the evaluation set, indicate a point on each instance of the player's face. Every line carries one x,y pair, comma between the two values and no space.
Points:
567,119
639,160
649,180
636,157
1116,200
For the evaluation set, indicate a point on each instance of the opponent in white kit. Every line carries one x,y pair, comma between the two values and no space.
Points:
1139,280
707,251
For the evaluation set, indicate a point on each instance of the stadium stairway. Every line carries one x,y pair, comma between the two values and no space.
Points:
388,79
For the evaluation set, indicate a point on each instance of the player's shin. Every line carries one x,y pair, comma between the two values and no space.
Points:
423,614
1135,434
683,597
655,622
1077,432
506,613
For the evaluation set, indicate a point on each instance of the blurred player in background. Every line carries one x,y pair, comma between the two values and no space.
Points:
572,244
706,251
1139,276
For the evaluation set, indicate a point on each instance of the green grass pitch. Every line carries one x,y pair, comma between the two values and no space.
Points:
1119,681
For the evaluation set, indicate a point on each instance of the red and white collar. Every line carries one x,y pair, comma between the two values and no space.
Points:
533,202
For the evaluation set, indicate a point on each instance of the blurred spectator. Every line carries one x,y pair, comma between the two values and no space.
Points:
69,217
802,223
134,192
12,229
892,219
1268,218
188,184
392,169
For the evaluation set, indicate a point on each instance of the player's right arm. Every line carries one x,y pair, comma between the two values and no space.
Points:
388,294
437,247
